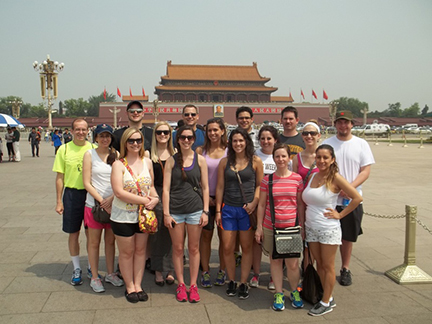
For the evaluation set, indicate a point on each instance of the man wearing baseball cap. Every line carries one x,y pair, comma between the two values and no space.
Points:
354,158
135,112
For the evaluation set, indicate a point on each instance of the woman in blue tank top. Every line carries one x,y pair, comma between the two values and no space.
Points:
235,202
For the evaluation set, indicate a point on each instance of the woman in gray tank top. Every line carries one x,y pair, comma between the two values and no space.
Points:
235,202
186,201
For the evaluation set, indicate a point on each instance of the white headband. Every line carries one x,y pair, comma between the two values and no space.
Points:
314,125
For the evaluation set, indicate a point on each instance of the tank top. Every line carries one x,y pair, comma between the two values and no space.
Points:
212,166
158,168
123,212
317,200
268,162
100,178
183,198
232,193
303,170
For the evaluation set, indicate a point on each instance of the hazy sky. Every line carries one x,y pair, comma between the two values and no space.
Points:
379,51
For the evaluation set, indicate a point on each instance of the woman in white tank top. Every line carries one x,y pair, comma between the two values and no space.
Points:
323,232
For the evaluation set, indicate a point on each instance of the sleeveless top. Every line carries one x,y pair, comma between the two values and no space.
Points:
100,178
183,198
158,176
301,169
212,165
232,193
317,200
123,212
268,162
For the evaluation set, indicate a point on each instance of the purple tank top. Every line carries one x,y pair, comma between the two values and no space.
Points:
212,165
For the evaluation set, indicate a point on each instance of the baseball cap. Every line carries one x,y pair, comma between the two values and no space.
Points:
103,128
134,102
346,114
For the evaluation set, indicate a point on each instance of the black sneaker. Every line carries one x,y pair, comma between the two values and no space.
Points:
345,277
243,292
232,289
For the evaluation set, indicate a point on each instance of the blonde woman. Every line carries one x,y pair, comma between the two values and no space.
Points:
131,241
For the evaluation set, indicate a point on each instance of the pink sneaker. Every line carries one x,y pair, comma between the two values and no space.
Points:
181,294
194,297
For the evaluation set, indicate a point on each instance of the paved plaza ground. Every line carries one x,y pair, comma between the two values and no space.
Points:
35,266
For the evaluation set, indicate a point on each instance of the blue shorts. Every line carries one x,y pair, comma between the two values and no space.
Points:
235,219
73,213
191,219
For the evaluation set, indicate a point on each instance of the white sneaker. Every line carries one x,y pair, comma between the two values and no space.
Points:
271,285
97,286
114,280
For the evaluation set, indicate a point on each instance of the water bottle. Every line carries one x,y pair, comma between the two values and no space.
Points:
345,202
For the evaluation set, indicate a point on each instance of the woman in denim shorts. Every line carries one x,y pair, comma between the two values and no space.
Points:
323,232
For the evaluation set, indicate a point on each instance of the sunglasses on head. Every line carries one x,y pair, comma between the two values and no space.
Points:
184,137
135,110
312,133
189,114
164,132
134,140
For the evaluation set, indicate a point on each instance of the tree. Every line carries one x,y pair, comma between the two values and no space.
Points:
95,102
425,110
76,107
412,111
394,110
352,104
38,111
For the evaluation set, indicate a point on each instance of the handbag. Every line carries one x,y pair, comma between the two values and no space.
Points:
287,242
100,215
252,216
147,220
312,290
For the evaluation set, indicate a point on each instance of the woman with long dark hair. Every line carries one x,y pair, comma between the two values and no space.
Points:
131,241
322,226
186,208
96,171
161,246
239,178
214,149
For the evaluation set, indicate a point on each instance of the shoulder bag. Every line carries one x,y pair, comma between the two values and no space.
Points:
100,215
252,216
147,219
287,242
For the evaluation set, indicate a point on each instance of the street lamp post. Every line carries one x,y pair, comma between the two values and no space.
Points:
16,108
156,109
333,110
48,80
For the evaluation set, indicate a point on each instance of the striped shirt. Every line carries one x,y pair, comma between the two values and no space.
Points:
285,200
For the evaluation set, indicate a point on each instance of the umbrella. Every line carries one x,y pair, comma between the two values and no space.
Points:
6,120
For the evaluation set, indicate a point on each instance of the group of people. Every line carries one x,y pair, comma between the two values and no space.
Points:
12,138
197,179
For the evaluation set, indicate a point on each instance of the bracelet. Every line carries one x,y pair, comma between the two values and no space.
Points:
217,212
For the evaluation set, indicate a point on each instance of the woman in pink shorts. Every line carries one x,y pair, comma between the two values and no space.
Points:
96,177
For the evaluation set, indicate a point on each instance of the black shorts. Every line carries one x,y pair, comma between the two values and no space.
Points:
351,224
211,219
73,213
125,229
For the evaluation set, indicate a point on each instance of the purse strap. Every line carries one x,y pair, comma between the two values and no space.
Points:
240,184
271,202
125,163
309,172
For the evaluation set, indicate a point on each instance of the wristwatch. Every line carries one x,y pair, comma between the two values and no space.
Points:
206,212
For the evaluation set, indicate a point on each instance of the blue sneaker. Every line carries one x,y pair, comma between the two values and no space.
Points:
76,277
296,300
90,275
205,280
220,278
279,302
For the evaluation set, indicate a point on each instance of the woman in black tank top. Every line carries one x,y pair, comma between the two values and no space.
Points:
238,201
185,204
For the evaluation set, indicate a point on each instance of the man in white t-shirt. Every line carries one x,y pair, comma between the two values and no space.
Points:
354,158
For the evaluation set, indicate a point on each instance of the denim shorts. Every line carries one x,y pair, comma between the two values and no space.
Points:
330,236
191,219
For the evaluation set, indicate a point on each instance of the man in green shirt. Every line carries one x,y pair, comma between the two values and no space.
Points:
70,191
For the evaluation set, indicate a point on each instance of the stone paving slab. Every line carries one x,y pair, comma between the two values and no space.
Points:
35,266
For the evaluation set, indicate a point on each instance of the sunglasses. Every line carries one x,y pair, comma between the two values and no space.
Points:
135,111
312,133
134,140
184,137
190,114
164,132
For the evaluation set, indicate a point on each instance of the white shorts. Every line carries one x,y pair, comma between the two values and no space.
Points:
330,236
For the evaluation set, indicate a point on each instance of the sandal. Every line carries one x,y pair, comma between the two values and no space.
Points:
169,279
